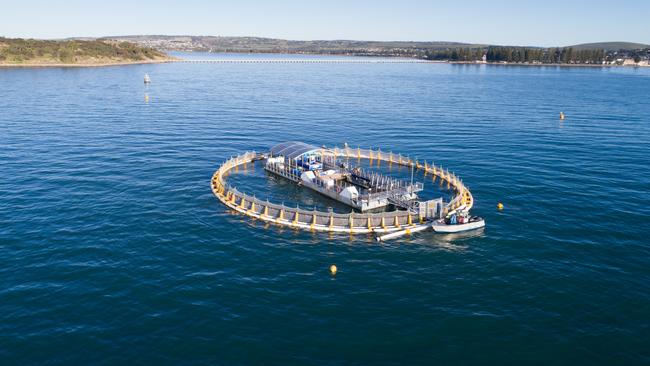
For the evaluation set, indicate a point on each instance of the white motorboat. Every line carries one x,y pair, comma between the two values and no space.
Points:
147,79
445,226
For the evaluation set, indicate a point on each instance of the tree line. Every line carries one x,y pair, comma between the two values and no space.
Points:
567,55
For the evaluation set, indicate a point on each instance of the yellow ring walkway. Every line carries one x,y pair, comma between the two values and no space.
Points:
353,223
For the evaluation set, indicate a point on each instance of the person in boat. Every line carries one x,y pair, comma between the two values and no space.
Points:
450,219
457,218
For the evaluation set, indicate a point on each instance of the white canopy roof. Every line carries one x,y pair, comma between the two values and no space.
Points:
294,149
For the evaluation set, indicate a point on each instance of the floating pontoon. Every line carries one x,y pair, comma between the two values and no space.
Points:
323,170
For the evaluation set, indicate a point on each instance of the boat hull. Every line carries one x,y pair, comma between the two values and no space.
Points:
441,227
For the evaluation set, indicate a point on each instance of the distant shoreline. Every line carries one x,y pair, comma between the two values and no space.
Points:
83,65
538,65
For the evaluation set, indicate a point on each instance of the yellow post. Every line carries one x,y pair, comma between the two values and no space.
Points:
281,214
351,221
409,220
369,223
396,223
266,210
331,221
383,222
242,203
313,220
358,153
296,217
252,207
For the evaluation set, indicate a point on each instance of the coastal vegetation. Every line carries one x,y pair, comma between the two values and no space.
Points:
567,55
530,55
80,52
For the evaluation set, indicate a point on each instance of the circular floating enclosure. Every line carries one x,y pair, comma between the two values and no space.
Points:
354,223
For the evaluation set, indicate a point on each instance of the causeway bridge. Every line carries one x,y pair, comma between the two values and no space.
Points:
369,60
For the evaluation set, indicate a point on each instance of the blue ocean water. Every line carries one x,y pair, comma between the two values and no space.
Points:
114,250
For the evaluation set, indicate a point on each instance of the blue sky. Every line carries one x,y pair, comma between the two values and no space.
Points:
543,23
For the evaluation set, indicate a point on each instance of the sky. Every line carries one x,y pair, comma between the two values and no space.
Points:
522,23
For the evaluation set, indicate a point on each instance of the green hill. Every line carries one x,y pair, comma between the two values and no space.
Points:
74,52
611,46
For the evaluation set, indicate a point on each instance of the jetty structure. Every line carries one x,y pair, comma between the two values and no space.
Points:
329,172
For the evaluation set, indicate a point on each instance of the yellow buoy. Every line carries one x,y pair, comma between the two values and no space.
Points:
499,206
333,269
